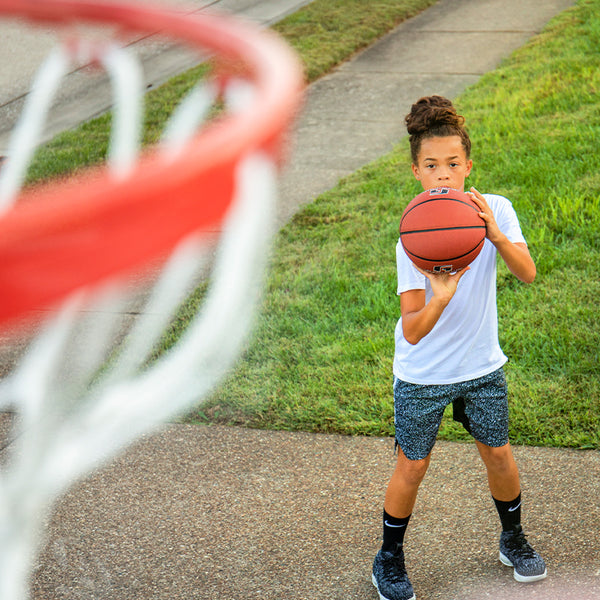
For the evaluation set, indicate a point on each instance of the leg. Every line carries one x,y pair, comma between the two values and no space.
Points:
515,550
404,484
418,412
502,471
389,573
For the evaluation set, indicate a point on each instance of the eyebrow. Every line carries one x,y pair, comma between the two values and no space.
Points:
448,158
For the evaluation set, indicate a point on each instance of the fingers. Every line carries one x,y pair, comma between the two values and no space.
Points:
443,274
481,202
458,274
477,196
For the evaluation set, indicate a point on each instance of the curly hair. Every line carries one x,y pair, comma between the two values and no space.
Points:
434,116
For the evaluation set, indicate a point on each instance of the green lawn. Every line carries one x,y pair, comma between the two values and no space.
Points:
321,355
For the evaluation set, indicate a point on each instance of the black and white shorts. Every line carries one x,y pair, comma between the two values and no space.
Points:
481,405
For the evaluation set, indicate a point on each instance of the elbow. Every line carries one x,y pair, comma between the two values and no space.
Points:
525,274
527,269
412,339
529,277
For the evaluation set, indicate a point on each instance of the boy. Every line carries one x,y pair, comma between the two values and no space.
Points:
447,350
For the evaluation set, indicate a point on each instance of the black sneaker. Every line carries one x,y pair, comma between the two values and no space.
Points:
389,576
516,552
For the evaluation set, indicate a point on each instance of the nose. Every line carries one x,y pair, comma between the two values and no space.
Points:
443,174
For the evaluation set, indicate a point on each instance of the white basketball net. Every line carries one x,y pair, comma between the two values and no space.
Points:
77,398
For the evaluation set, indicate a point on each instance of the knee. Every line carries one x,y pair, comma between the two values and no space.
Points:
412,471
497,459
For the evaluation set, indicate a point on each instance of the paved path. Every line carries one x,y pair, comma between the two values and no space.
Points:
228,513
84,95
216,513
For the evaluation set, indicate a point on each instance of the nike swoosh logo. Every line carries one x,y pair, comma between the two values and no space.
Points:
513,508
397,526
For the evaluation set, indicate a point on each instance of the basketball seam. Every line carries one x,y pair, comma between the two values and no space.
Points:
435,200
442,229
445,261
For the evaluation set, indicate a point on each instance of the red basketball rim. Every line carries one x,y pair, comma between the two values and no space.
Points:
76,233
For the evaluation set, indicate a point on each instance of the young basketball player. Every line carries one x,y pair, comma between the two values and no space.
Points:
447,351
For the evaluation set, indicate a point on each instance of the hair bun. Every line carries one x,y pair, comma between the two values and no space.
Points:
430,113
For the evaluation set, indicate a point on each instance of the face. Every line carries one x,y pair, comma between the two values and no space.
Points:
442,163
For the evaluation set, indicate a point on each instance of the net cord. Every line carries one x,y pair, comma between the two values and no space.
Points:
69,425
124,148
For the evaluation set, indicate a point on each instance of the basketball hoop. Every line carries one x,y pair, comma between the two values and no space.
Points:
44,228
91,382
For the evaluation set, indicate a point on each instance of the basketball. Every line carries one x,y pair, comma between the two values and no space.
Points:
441,230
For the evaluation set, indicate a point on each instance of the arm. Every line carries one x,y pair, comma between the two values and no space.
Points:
517,259
515,255
418,317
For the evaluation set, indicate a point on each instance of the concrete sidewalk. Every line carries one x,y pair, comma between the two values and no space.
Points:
84,94
217,513
229,513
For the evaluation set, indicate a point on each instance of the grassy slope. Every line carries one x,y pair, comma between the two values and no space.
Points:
322,350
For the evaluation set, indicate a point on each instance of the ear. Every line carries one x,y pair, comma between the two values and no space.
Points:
416,172
469,167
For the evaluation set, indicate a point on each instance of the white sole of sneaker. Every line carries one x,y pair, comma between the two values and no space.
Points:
381,596
522,578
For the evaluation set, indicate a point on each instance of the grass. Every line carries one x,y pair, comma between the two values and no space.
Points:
321,355
320,358
326,32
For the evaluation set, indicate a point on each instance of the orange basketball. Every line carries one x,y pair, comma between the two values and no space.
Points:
441,230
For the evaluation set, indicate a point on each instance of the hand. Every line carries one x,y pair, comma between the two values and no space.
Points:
493,232
444,284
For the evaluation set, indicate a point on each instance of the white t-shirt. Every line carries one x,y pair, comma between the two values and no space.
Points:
463,344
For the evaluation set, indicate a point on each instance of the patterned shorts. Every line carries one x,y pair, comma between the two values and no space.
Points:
481,405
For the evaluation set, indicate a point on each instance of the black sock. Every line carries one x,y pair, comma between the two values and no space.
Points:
510,513
393,532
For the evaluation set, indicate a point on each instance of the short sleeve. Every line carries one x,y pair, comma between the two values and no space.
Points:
506,217
408,276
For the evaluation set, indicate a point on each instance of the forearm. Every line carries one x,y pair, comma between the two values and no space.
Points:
416,325
517,259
